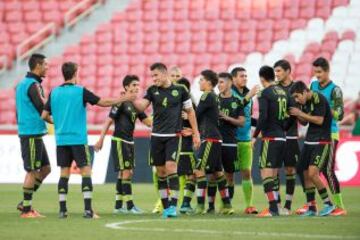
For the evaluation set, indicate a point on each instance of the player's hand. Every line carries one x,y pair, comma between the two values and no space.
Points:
186,132
184,115
223,116
253,91
98,146
295,112
196,140
253,141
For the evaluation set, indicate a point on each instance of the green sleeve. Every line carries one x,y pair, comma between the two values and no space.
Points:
338,106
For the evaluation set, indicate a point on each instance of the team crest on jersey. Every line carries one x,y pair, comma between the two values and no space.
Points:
127,164
156,93
175,93
173,156
234,105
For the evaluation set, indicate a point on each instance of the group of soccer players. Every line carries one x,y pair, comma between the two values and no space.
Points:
191,147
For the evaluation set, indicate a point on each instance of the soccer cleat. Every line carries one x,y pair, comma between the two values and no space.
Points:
20,206
338,212
120,211
302,210
158,207
326,210
266,213
200,209
210,210
165,213
63,214
171,212
90,214
227,211
186,209
251,210
31,214
284,212
135,210
308,213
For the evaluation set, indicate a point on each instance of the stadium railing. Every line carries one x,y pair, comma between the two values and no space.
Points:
80,10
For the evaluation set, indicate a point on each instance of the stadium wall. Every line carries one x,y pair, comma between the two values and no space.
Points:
11,167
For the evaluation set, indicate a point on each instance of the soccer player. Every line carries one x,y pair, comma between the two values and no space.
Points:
231,117
209,155
175,74
334,96
67,105
243,136
168,101
271,124
122,145
30,100
282,70
187,160
317,146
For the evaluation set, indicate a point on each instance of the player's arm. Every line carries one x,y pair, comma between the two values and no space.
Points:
337,110
99,144
46,112
108,102
38,100
263,113
238,121
193,123
316,117
145,119
141,104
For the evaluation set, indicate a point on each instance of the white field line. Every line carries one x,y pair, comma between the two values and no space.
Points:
122,226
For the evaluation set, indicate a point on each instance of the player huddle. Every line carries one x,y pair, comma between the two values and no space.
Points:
194,150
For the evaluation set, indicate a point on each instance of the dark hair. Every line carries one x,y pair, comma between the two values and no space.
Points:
185,82
284,64
128,79
225,75
210,76
267,73
36,59
160,66
69,69
298,87
321,62
235,71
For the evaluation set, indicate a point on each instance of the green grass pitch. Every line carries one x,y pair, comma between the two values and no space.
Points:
149,226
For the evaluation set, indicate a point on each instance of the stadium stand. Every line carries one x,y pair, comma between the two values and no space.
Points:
200,34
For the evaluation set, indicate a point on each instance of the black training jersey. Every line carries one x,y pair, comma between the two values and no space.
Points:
318,106
293,128
167,105
124,116
231,107
207,114
272,112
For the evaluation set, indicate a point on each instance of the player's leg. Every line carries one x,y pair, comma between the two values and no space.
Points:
310,189
228,158
245,158
45,163
271,155
116,152
64,159
158,205
334,185
172,150
318,162
211,192
290,161
31,166
186,166
126,176
82,158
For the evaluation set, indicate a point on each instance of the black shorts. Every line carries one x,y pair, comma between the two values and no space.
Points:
33,152
315,155
209,157
292,153
163,149
122,154
186,160
229,157
271,154
67,154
